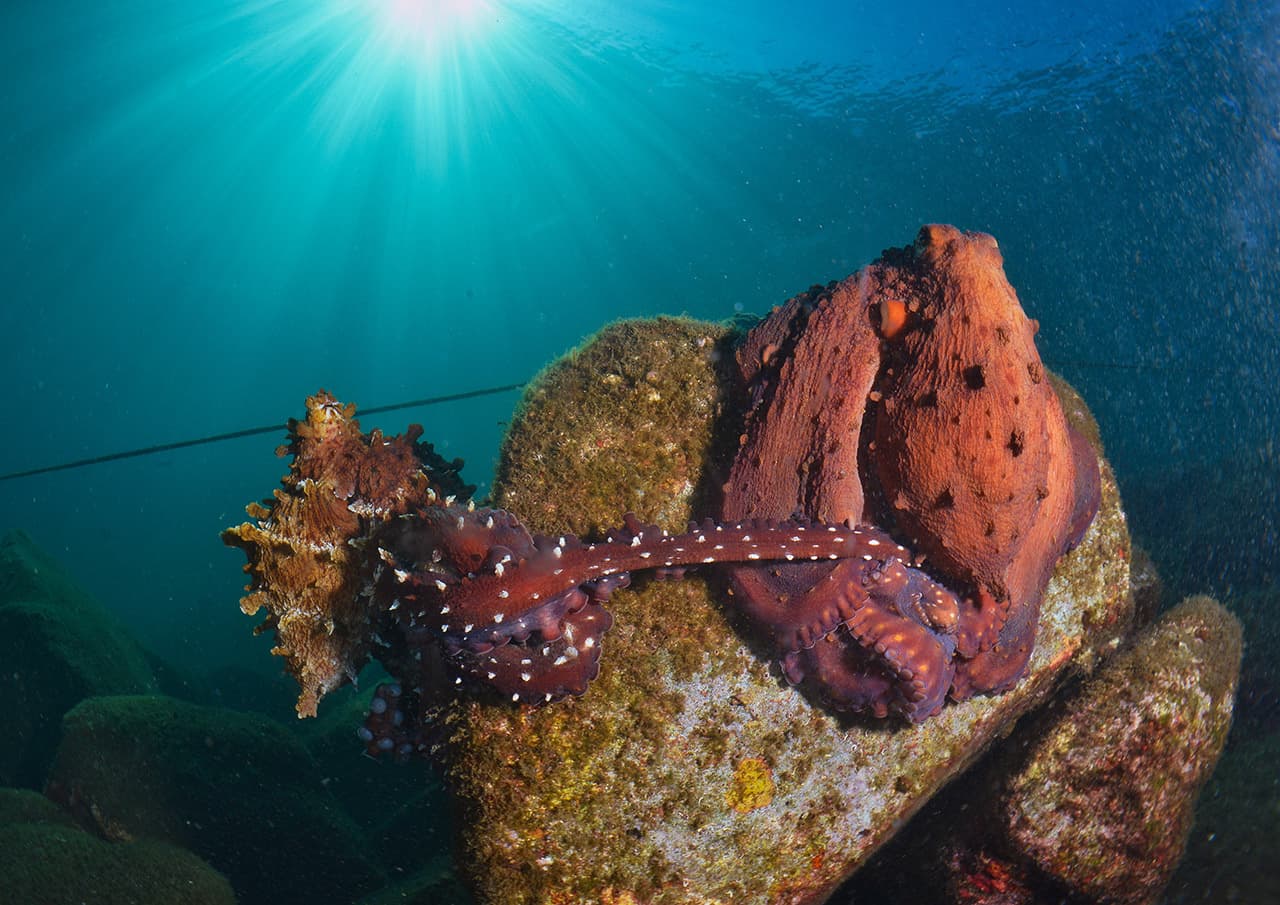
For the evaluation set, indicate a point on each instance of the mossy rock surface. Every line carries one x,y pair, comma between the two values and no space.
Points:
47,862
689,772
58,647
623,424
29,573
237,789
1105,799
26,806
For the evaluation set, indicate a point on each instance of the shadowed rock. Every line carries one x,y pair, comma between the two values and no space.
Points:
1104,803
690,771
46,858
58,646
225,785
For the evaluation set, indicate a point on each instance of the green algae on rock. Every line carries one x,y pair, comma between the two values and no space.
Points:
624,423
45,864
26,806
59,646
634,792
45,859
217,782
1105,800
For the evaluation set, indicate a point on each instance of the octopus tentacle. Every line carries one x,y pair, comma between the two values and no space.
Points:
524,615
891,646
921,660
847,675
982,618
478,605
543,671
795,604
364,554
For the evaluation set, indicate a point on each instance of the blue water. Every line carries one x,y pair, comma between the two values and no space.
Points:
210,209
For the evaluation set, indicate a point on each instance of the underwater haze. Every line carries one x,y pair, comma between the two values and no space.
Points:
211,209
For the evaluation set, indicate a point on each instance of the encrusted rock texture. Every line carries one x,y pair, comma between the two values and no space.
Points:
690,771
1091,798
46,858
227,786
1105,801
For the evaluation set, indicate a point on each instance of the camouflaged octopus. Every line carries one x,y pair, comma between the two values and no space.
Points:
905,402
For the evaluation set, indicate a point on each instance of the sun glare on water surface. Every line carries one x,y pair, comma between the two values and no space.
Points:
430,70
428,25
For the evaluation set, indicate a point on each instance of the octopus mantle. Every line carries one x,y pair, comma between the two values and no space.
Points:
911,395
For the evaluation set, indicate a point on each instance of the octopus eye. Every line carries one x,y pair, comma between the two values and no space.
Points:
893,317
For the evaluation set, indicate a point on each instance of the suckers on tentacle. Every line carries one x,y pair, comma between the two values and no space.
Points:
524,615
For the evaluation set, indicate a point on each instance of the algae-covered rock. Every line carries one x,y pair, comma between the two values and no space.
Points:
1089,799
58,646
625,424
29,573
26,806
45,859
237,789
1104,802
45,864
689,771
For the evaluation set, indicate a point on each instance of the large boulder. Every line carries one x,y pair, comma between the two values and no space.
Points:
237,789
1105,800
690,771
1094,799
58,647
45,859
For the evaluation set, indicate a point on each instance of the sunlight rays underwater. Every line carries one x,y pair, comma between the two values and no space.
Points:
216,171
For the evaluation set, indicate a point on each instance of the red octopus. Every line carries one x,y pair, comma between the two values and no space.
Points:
906,403
910,395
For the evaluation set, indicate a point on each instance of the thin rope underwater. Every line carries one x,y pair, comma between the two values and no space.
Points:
454,397
247,432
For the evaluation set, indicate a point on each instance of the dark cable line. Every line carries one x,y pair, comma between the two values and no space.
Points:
248,432
454,397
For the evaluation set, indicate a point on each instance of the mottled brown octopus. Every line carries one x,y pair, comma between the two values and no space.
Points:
910,396
903,409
